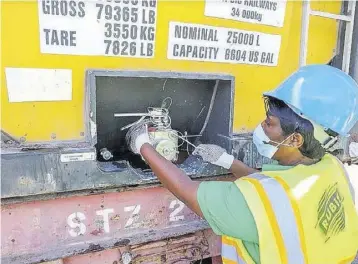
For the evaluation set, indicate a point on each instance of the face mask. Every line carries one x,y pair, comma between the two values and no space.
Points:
261,141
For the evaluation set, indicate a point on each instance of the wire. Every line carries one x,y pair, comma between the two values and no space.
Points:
133,124
159,117
164,83
171,102
187,145
183,138
210,109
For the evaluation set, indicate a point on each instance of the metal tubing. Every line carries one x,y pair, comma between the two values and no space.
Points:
304,32
348,38
131,114
354,54
331,16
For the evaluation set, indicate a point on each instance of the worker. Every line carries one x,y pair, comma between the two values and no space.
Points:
300,210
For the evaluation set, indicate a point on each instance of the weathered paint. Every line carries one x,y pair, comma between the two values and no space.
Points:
66,119
41,230
41,172
59,261
216,260
38,85
53,229
183,249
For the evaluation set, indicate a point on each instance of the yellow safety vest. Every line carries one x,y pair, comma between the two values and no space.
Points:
303,215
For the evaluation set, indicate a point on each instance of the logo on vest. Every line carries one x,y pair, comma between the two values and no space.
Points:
331,217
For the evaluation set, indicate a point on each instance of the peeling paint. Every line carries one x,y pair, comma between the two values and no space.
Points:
51,182
96,232
93,128
93,248
126,219
23,180
115,218
122,242
59,261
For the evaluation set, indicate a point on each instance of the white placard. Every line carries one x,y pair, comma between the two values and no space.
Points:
31,84
121,28
218,44
264,12
77,156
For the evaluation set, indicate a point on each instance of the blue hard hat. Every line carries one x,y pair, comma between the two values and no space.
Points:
322,93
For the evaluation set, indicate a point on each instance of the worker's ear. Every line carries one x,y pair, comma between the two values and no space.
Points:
296,140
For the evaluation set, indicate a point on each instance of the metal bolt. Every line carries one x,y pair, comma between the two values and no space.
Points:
106,154
126,258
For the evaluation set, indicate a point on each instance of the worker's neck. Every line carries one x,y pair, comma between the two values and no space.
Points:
296,159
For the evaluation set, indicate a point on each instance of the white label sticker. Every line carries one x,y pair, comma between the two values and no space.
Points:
28,85
217,44
78,156
264,12
122,28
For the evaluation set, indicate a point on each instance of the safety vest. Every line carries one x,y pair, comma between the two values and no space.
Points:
303,215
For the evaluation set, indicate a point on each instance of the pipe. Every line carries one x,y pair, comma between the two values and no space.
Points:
130,114
354,53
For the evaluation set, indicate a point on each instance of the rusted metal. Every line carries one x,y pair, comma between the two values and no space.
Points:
41,172
184,249
59,261
216,260
53,167
95,191
41,231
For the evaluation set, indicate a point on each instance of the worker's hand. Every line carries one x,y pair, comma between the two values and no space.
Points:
137,136
215,155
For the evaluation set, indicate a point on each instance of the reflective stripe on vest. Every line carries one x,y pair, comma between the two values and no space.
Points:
281,216
303,215
231,252
230,255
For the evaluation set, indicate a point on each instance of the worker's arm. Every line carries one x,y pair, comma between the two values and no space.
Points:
220,203
240,169
218,156
174,179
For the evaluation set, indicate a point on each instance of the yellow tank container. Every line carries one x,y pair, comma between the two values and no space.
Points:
36,51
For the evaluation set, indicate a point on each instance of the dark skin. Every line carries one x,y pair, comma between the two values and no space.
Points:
288,153
185,189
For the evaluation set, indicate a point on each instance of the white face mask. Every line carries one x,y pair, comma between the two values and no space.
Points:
261,141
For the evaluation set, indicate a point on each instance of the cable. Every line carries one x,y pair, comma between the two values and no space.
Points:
133,124
183,138
210,109
163,103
